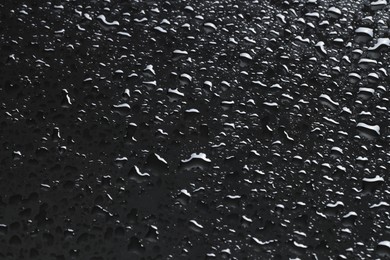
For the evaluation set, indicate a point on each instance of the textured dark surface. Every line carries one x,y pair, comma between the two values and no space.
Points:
194,130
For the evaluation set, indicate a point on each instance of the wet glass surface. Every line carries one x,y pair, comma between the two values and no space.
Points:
194,129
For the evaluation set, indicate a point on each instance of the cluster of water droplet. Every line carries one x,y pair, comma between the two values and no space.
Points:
198,129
